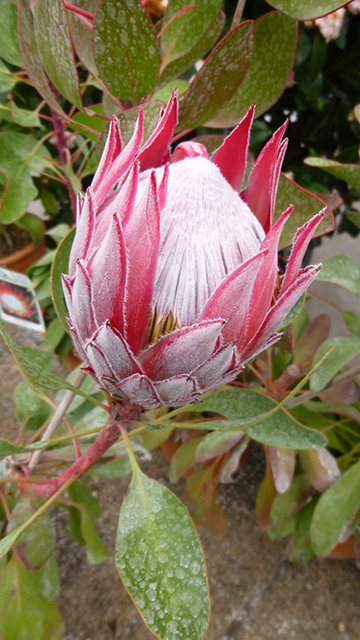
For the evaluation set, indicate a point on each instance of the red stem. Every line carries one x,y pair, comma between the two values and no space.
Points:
103,442
61,144
80,12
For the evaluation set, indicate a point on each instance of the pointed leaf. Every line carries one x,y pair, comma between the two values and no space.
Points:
348,172
55,50
9,41
82,35
160,561
268,74
125,49
219,78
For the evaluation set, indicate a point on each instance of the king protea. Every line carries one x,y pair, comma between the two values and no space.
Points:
173,275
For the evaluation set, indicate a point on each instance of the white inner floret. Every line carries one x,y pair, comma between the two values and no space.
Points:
207,231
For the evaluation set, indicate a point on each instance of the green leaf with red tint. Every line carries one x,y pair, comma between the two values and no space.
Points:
305,204
268,74
55,50
345,349
125,49
219,78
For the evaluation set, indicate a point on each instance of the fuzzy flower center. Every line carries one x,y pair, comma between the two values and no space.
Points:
207,231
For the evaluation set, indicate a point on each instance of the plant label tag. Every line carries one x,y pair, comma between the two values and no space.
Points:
18,303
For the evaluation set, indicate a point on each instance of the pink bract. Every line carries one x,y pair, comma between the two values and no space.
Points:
173,275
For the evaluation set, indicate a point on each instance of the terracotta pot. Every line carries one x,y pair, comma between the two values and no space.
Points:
23,259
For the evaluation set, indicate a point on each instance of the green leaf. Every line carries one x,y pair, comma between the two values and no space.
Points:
345,349
8,80
268,74
305,204
285,503
182,35
35,545
33,225
59,266
11,113
335,511
306,9
352,321
47,579
199,51
24,612
343,271
31,56
219,78
260,417
216,443
81,523
9,448
19,154
35,373
31,408
301,549
164,94
52,37
91,120
160,561
183,458
82,35
348,172
9,42
125,49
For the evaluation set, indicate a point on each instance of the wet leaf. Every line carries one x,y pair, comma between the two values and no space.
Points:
31,56
54,47
345,349
82,35
271,425
268,74
184,33
201,48
306,9
125,49
219,78
35,545
335,511
31,408
24,612
343,271
160,561
305,204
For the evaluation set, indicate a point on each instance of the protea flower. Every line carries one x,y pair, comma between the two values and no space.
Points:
173,279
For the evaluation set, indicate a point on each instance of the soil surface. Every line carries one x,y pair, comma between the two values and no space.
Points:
13,239
256,593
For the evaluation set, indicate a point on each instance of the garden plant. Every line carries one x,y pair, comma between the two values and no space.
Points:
152,136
